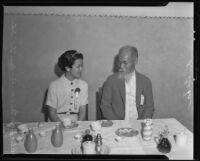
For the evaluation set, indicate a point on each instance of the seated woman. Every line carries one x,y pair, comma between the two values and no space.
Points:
68,95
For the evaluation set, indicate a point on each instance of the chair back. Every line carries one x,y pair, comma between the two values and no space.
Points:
99,115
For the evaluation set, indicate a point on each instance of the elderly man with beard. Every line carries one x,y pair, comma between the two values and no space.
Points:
127,94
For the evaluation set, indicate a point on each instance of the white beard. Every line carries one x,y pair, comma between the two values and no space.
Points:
126,76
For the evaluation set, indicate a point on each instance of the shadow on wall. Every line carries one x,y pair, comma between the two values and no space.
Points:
44,109
58,72
115,64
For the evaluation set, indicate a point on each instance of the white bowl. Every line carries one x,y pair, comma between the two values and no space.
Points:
42,133
22,128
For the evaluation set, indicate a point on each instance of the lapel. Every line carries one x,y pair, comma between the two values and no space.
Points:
121,85
138,88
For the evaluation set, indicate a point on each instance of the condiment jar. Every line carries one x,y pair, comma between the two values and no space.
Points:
147,131
98,143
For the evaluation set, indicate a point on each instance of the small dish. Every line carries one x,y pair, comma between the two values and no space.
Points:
126,132
42,133
72,126
106,123
78,137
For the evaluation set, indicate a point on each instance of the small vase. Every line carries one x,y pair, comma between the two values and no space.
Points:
30,143
57,136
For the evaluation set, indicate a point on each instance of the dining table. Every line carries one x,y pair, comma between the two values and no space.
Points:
118,145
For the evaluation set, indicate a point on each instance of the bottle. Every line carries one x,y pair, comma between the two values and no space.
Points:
98,143
57,136
30,143
147,130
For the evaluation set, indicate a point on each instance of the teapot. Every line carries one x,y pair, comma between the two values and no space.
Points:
163,144
87,137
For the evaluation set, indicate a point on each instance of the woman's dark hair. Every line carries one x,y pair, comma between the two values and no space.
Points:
68,58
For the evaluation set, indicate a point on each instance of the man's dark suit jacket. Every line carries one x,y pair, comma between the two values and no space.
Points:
113,97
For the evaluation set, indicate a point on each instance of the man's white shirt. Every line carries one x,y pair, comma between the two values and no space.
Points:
130,91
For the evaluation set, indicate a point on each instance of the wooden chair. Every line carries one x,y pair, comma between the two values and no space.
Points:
99,115
86,117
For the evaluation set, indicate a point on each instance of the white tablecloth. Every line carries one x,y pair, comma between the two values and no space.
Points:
128,145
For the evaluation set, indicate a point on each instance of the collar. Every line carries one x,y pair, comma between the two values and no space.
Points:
66,79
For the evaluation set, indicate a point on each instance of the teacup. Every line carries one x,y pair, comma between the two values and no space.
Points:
19,138
40,124
89,147
78,137
96,125
22,128
42,133
66,122
181,139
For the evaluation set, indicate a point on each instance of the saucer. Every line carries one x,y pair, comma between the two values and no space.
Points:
78,150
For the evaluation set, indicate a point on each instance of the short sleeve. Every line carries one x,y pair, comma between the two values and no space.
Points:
51,97
84,96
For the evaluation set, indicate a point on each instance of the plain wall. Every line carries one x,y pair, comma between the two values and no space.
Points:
32,44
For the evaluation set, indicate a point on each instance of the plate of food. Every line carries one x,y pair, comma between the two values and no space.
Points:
69,127
79,150
106,123
127,132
